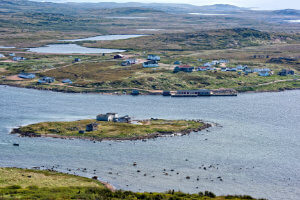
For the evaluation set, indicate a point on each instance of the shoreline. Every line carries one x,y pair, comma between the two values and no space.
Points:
206,125
120,94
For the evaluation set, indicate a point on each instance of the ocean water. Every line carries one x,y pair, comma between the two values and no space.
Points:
254,149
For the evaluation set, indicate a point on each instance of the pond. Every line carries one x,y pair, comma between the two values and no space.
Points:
70,49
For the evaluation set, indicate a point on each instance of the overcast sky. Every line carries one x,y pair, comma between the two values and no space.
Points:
258,4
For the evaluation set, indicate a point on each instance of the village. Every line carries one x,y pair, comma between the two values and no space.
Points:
152,61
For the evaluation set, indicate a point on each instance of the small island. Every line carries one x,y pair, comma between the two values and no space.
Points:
111,127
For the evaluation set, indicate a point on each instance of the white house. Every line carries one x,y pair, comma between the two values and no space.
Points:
109,117
153,57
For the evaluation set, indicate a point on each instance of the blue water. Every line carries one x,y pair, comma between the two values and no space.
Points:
105,37
255,150
71,48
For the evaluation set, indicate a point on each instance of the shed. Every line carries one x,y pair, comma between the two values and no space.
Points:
91,127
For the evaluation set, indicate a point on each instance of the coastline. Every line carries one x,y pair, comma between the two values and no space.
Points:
117,91
206,125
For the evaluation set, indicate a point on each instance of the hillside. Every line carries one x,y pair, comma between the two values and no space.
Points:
203,40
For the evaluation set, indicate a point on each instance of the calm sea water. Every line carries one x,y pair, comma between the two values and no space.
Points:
255,152
71,48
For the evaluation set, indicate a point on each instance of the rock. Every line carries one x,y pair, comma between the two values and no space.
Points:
95,177
188,177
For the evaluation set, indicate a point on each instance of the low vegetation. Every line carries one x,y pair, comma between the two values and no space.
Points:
34,184
112,130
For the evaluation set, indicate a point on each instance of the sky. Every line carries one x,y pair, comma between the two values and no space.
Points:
255,4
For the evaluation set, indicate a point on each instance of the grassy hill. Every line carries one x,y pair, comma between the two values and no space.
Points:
202,40
34,184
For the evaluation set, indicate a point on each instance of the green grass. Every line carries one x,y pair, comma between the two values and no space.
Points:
113,130
26,178
35,184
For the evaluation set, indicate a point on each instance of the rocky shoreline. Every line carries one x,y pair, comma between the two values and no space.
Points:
117,92
145,137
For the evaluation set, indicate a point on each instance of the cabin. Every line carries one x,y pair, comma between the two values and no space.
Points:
26,75
1,55
12,54
177,62
18,58
118,56
150,64
241,67
91,127
67,81
108,117
46,80
183,68
153,57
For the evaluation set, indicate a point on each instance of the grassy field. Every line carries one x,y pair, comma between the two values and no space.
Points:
26,178
34,184
113,130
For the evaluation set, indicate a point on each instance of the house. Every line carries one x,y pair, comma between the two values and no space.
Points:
248,70
68,81
241,67
91,127
151,63
18,58
231,69
177,62
108,117
135,92
215,62
124,119
118,56
77,60
285,72
1,55
46,80
12,54
203,68
264,73
129,62
26,75
183,68
223,61
153,57
207,64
